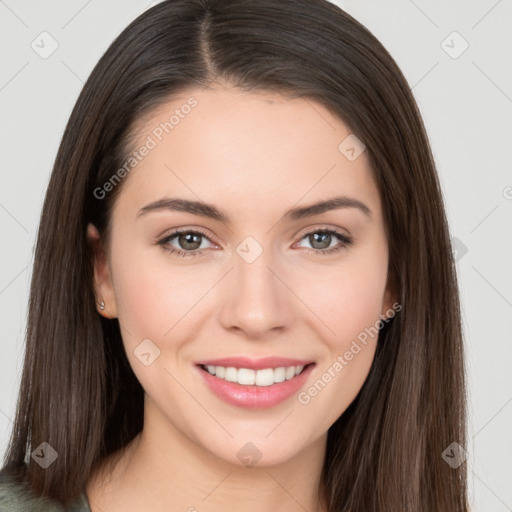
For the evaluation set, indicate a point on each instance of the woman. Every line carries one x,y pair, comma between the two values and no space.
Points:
309,355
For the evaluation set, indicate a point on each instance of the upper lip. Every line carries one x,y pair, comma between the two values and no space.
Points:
255,364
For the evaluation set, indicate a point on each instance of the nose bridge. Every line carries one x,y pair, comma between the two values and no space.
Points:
256,300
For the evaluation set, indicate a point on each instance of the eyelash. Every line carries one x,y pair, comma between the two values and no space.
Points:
346,241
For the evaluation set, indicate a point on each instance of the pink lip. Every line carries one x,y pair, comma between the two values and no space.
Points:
254,397
254,364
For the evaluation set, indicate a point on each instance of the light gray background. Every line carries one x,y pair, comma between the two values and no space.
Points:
467,107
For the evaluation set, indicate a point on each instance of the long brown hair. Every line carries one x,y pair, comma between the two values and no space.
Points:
78,392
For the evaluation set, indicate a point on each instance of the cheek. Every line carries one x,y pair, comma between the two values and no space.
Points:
160,301
150,296
152,303
351,309
350,299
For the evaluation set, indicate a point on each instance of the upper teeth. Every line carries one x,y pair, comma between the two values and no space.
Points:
248,377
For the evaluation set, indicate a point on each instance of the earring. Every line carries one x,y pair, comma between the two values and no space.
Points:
102,306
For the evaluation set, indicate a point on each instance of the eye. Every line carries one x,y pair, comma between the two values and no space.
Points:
321,239
189,241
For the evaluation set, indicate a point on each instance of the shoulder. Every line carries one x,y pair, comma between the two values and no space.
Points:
15,496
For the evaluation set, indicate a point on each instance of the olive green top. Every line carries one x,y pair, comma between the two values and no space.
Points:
17,497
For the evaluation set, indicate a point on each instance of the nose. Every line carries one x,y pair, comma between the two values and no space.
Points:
256,300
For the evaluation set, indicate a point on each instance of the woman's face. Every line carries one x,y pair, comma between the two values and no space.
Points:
258,279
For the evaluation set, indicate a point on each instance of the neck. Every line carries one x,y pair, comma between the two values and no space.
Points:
162,466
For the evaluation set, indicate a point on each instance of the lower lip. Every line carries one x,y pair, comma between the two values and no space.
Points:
255,397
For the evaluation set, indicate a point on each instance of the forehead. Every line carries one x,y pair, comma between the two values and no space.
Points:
228,146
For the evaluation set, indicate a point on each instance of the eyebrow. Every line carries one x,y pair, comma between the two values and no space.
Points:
210,211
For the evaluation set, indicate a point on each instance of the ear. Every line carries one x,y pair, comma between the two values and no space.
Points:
390,302
103,288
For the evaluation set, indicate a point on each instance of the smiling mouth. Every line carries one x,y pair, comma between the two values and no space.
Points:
249,377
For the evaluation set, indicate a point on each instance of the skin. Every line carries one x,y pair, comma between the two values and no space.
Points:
253,155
